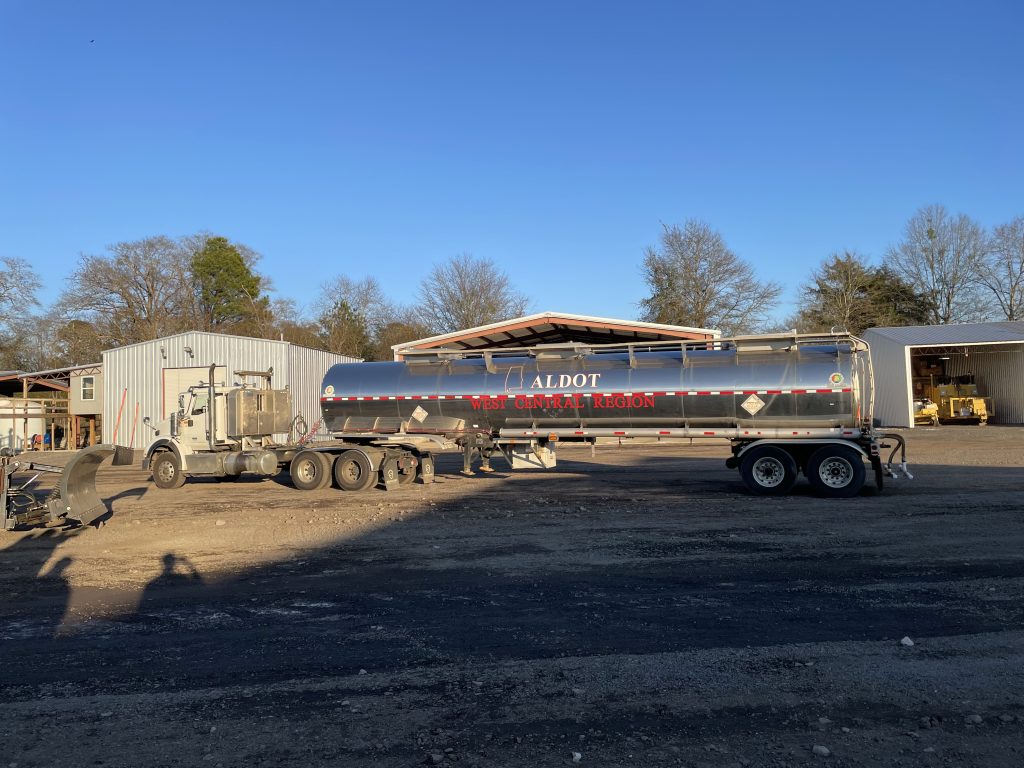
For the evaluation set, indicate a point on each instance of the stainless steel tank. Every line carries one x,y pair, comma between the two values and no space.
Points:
757,382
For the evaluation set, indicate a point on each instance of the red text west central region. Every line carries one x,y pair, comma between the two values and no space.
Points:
559,402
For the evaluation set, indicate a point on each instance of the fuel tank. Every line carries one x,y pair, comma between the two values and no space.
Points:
767,381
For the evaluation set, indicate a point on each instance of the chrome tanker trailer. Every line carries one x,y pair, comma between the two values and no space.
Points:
789,404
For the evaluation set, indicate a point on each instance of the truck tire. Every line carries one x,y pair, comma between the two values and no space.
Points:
310,470
836,472
406,476
768,470
353,471
166,469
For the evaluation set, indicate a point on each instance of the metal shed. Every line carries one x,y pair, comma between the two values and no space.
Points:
993,353
555,328
146,376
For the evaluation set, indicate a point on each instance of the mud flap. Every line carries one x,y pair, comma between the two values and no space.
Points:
426,469
389,474
876,465
75,495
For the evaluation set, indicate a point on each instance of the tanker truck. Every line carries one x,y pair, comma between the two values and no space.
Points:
789,405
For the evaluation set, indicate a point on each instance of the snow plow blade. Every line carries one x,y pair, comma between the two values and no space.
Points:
75,495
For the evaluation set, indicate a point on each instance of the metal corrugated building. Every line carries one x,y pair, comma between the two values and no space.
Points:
555,328
992,352
137,373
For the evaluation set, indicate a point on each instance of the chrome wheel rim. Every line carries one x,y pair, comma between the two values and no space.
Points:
768,472
835,472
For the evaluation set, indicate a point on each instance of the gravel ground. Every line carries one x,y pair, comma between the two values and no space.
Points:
637,607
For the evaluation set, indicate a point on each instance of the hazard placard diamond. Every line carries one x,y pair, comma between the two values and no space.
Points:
752,404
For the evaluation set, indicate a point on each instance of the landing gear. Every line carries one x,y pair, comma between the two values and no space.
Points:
483,448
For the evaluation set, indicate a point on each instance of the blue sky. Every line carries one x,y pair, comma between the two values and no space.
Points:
554,138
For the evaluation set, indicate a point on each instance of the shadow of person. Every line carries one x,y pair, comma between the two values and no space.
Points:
58,594
177,575
36,595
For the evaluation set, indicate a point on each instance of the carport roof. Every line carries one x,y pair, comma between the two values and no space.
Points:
555,328
13,382
964,333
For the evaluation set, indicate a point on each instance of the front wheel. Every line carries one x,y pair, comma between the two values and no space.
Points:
166,470
836,471
768,471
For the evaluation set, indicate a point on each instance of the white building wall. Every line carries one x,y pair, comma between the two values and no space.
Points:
893,396
134,374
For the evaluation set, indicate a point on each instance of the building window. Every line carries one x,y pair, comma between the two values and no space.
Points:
88,387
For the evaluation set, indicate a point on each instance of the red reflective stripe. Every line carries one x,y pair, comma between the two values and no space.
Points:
573,395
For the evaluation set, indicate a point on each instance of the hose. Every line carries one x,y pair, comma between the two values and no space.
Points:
901,447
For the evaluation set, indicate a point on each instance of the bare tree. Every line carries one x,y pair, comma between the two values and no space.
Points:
1003,270
141,291
36,341
941,256
695,280
18,286
404,326
349,313
465,292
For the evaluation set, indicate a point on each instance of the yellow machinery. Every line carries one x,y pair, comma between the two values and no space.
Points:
926,412
957,400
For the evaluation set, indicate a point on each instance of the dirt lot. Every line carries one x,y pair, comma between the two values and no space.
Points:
634,608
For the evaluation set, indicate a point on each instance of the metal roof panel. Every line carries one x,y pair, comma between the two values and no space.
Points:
963,333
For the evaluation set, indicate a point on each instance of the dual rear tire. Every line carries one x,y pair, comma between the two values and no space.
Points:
351,470
834,471
768,470
354,472
310,470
